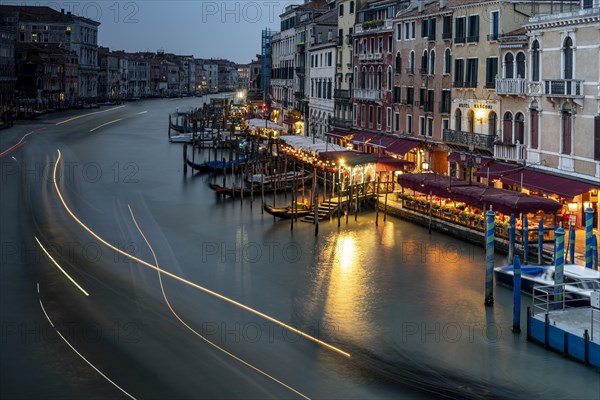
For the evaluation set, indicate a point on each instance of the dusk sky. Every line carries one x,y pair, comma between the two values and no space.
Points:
203,28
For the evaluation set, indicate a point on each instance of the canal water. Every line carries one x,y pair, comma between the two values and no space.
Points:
406,304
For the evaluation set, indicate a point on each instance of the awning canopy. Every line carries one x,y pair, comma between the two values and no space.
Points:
389,163
338,134
478,195
258,123
349,158
381,142
537,181
401,146
308,144
362,137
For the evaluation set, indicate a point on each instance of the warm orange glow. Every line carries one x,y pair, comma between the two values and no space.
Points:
178,278
59,267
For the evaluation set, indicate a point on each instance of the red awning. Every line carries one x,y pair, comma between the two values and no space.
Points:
477,195
381,142
338,134
401,146
389,163
537,181
362,137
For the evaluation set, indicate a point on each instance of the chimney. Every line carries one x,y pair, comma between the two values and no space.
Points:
443,3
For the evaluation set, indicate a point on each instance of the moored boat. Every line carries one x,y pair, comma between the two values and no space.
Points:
579,281
301,210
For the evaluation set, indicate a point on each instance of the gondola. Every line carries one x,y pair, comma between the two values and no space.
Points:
236,192
215,166
287,212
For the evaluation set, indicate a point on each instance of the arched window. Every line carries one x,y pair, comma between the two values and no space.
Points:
509,66
520,65
535,61
507,125
519,128
447,61
566,128
432,62
534,118
458,120
363,78
371,78
568,57
492,123
424,62
379,78
390,78
398,63
471,121
411,63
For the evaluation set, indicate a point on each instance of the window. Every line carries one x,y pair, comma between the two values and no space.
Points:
509,66
568,58
397,95
534,118
329,89
535,61
458,120
410,95
459,36
388,119
363,78
447,61
398,63
445,124
431,29
519,128
389,49
351,7
429,126
588,4
399,32
566,131
422,127
372,48
494,24
409,124
507,127
354,114
424,62
471,121
390,78
492,123
379,117
430,101
407,30
491,70
380,45
446,101
341,10
471,73
473,33
397,122
422,97
411,63
447,27
459,72
371,78
424,28
370,116
363,115
413,30
597,138
379,78
521,65
432,62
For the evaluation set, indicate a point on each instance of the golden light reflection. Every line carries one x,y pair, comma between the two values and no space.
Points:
347,289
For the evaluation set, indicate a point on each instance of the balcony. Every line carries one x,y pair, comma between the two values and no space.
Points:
510,152
373,26
300,71
299,96
342,123
563,88
342,94
511,86
378,56
469,140
367,94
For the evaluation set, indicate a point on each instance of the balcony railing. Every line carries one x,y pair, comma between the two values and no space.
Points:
367,94
378,56
373,26
468,139
516,86
510,152
563,87
340,123
342,94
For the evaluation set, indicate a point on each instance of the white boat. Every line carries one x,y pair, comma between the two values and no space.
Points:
579,281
